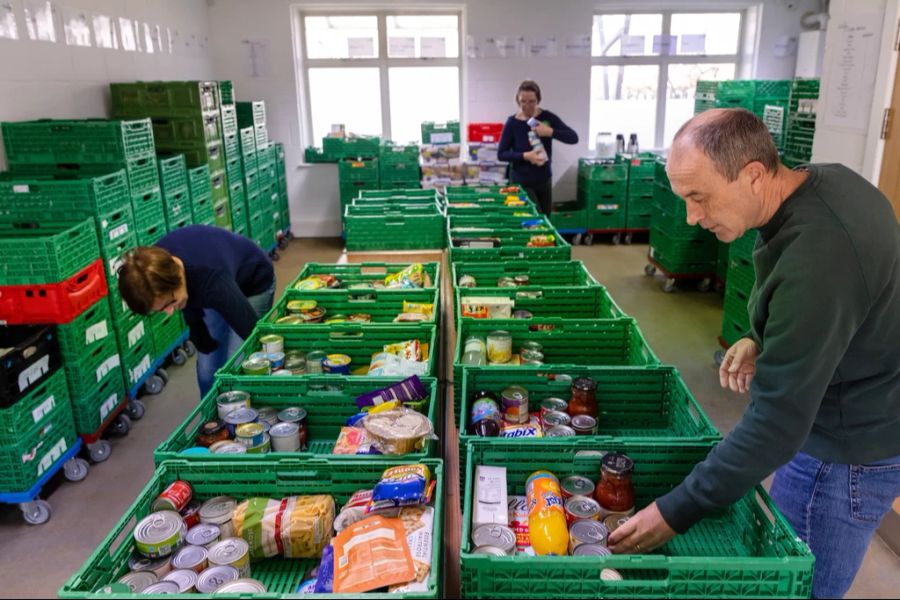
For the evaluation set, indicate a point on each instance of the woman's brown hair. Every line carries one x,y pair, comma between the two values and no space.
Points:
148,273
529,86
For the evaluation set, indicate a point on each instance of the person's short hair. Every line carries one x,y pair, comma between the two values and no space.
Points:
529,86
732,139
148,273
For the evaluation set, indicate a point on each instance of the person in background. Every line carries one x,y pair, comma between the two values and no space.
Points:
530,168
821,361
223,283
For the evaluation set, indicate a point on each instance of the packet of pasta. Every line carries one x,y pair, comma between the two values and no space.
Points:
293,527
372,554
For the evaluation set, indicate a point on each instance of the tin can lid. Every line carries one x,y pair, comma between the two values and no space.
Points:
301,305
555,404
583,507
556,417
315,355
242,586
289,320
493,534
499,333
158,527
267,413
514,392
137,581
584,384
338,360
231,448
271,338
583,422
489,550
242,415
560,431
214,447
139,562
213,578
592,550
294,355
228,551
185,578
202,534
232,397
532,345
189,556
217,508
249,430
292,414
162,587
591,532
284,429
255,363
212,427
610,575
577,485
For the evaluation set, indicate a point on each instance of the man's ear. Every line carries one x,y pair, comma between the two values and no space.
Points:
754,173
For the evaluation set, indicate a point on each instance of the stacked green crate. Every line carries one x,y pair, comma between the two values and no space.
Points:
354,175
336,148
679,248
741,278
234,167
641,182
221,206
398,165
200,188
801,124
176,196
705,96
569,216
767,99
284,209
226,92
603,190
253,114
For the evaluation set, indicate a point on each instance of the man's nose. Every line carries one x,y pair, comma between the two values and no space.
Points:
694,213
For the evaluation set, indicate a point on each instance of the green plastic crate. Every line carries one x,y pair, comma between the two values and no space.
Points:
152,233
569,273
606,213
164,98
744,245
399,174
228,113
364,169
359,342
312,154
250,114
736,301
733,329
411,227
638,219
513,245
262,230
489,211
197,129
218,184
222,215
167,330
382,305
365,272
261,134
86,330
390,153
408,195
88,367
131,329
588,190
538,223
662,178
172,173
75,197
202,211
39,448
351,189
683,257
199,180
365,146
46,252
247,138
255,478
177,206
33,409
198,154
675,226
440,133
251,183
148,208
234,169
329,402
226,92
602,169
136,361
571,302
94,409
232,146
747,550
90,141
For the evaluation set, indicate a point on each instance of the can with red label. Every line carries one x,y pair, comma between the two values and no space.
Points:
579,508
175,497
576,485
191,513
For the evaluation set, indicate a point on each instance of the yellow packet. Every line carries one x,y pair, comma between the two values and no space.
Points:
393,404
425,308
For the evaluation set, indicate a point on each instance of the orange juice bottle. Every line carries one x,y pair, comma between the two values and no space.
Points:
546,514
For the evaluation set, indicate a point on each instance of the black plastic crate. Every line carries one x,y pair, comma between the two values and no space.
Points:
32,356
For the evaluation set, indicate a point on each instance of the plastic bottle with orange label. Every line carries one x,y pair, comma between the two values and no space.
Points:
546,515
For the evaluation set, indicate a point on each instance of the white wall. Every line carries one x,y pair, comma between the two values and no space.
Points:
488,86
45,79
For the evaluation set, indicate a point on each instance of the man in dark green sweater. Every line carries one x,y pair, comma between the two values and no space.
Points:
822,359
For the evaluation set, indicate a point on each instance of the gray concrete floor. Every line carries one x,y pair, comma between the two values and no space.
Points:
681,327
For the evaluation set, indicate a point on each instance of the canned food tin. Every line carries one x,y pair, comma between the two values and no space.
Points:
261,448
240,417
162,587
272,343
219,511
233,400
158,566
282,373
292,414
467,281
185,578
540,326
489,550
531,357
553,418
615,520
591,550
212,432
523,314
230,448
338,318
495,535
581,508
314,315
360,318
256,366
285,437
521,279
499,347
138,581
295,364
610,575
506,282
242,586
337,364
233,552
576,485
175,497
276,359
213,578
204,534
191,514
267,414
299,306
314,361
514,404
553,404
159,534
584,425
289,320
250,434
531,346
586,532
560,431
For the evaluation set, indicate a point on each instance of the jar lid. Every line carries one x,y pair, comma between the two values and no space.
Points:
617,464
584,384
212,427
499,333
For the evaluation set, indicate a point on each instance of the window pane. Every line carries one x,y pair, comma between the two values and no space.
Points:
341,37
422,94
417,36
720,32
608,31
680,92
348,96
623,100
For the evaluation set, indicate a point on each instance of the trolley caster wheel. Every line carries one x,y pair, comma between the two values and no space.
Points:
719,357
627,239
120,426
162,373
576,240
275,257
705,285
588,239
154,385
37,512
76,469
668,286
649,270
283,242
135,410
616,239
189,348
179,357
99,451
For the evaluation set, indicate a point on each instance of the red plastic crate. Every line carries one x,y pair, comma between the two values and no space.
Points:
53,302
485,132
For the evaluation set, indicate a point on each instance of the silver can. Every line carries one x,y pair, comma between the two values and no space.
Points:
498,536
219,511
586,531
159,566
584,425
268,414
190,557
185,578
138,581
215,577
560,431
232,552
159,534
162,587
240,416
293,414
242,586
554,418
204,534
489,550
233,400
592,550
285,437
230,448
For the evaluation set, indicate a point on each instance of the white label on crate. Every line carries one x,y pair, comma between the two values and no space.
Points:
139,370
96,332
52,456
118,231
44,409
21,189
442,138
135,335
607,207
33,373
114,265
108,365
108,406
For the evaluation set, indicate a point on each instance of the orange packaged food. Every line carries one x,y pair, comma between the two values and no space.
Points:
372,554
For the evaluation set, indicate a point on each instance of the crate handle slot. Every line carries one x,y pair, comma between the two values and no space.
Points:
291,475
346,335
190,429
84,284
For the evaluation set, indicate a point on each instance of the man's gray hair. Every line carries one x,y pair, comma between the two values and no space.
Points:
731,138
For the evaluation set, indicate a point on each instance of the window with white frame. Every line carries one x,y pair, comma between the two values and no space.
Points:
379,72
645,67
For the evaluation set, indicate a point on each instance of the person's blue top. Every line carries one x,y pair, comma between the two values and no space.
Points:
514,143
222,270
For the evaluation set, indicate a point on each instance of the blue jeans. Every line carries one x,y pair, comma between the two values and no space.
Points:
836,509
229,341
